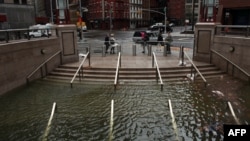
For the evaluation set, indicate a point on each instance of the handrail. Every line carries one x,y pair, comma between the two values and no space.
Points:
25,29
247,74
158,70
227,27
117,70
17,32
40,66
193,65
80,66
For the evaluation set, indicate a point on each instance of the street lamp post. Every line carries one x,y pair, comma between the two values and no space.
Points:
165,14
110,20
51,12
80,10
110,15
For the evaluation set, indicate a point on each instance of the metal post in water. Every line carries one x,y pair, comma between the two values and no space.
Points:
134,50
173,120
49,123
111,121
232,111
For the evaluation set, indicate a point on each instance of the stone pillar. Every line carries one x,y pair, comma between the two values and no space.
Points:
204,36
68,43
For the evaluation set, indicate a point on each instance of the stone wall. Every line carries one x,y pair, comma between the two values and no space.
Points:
236,49
19,59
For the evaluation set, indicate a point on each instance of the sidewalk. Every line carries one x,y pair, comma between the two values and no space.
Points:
141,60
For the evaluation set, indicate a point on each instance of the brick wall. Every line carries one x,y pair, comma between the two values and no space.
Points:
234,3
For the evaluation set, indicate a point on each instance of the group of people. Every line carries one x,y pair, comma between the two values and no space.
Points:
110,42
167,42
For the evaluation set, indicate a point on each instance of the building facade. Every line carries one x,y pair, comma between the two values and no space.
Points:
228,12
208,10
176,11
191,11
16,14
235,13
108,14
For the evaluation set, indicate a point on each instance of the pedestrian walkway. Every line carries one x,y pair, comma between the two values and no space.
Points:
140,60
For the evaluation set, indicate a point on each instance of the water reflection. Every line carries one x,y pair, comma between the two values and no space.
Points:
141,112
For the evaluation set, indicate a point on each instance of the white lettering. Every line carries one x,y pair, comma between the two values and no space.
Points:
231,132
237,131
243,131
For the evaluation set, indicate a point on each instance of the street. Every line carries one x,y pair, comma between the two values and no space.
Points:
96,37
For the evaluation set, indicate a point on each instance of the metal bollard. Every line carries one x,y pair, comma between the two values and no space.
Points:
134,50
119,49
181,56
180,53
165,50
149,50
87,49
103,51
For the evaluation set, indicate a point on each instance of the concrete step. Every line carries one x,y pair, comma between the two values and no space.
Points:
65,72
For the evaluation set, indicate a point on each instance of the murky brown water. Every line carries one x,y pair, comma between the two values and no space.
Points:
141,113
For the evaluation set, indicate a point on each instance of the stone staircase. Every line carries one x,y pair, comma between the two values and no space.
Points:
66,73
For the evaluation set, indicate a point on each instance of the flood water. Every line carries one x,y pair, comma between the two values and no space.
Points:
141,113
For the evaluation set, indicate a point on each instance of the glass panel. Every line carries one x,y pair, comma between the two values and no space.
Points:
210,11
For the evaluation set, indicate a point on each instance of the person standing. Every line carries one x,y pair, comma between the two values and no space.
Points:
145,38
112,44
160,40
106,42
168,41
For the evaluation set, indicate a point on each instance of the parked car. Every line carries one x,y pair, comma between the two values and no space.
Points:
153,36
160,28
171,24
38,31
35,33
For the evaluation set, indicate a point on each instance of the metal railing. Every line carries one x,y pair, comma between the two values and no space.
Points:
25,33
40,66
242,30
117,70
158,73
228,61
80,69
83,47
197,70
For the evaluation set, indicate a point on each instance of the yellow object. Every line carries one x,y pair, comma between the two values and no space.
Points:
78,24
77,13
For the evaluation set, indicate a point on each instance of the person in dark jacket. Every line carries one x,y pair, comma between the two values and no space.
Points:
160,39
107,42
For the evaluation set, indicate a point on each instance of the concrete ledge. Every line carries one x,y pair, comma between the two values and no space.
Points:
19,59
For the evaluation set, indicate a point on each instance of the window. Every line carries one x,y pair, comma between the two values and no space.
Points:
24,1
16,1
